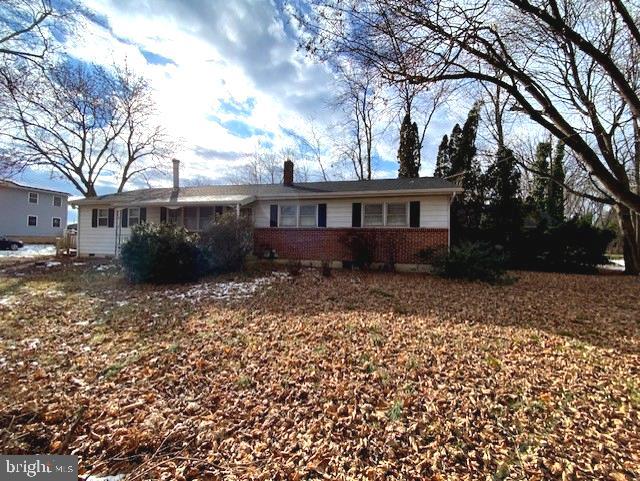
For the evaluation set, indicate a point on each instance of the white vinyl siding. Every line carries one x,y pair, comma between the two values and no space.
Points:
101,241
434,210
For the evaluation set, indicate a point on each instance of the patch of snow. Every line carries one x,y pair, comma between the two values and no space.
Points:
32,343
31,250
227,290
619,262
53,264
79,263
8,301
104,267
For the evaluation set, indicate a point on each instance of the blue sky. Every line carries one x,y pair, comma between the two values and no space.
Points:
228,81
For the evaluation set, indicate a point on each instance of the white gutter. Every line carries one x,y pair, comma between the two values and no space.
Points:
284,196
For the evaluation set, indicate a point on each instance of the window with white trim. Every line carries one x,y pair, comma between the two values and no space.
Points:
134,216
373,215
56,222
57,201
397,214
308,215
288,216
32,220
172,216
191,218
103,217
33,197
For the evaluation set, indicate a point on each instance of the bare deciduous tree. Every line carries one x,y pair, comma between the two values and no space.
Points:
571,67
82,122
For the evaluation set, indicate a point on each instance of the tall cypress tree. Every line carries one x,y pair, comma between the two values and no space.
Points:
466,208
555,197
443,164
503,218
541,177
409,150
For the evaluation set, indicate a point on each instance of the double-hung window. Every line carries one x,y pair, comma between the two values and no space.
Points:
288,216
134,216
33,197
32,221
57,201
55,222
103,217
373,215
397,214
308,215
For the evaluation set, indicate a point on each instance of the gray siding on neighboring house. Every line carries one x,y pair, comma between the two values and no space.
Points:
15,210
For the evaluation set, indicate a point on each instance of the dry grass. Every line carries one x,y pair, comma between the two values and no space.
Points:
357,376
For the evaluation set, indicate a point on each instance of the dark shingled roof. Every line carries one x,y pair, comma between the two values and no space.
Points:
186,194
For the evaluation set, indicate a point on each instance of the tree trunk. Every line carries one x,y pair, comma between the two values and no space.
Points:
631,246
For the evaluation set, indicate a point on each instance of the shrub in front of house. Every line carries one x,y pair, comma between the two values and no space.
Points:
226,243
473,261
161,253
361,247
572,246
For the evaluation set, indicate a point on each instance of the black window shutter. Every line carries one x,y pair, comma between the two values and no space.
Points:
125,218
273,217
322,215
111,216
356,214
414,214
94,217
163,215
143,214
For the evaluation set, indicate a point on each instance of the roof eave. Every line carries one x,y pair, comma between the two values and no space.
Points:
288,195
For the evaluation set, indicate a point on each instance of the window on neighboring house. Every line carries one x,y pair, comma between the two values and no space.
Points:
308,215
288,216
32,221
57,201
191,218
373,215
33,197
397,214
103,217
134,216
55,222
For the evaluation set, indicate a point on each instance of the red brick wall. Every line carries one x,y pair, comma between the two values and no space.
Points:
327,245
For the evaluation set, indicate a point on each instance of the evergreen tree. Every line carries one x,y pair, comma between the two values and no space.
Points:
503,217
409,150
555,197
443,164
466,208
541,177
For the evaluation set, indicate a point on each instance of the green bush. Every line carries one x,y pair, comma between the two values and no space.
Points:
361,247
572,246
161,253
469,260
226,243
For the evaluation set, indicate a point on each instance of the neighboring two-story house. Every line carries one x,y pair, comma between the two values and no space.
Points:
32,214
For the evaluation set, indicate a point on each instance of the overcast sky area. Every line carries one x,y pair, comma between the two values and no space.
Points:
229,80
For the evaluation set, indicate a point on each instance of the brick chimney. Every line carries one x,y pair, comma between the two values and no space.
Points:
288,172
176,174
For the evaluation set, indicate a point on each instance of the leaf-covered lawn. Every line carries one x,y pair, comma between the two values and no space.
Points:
357,376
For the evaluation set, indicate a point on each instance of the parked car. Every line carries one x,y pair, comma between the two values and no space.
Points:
9,244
